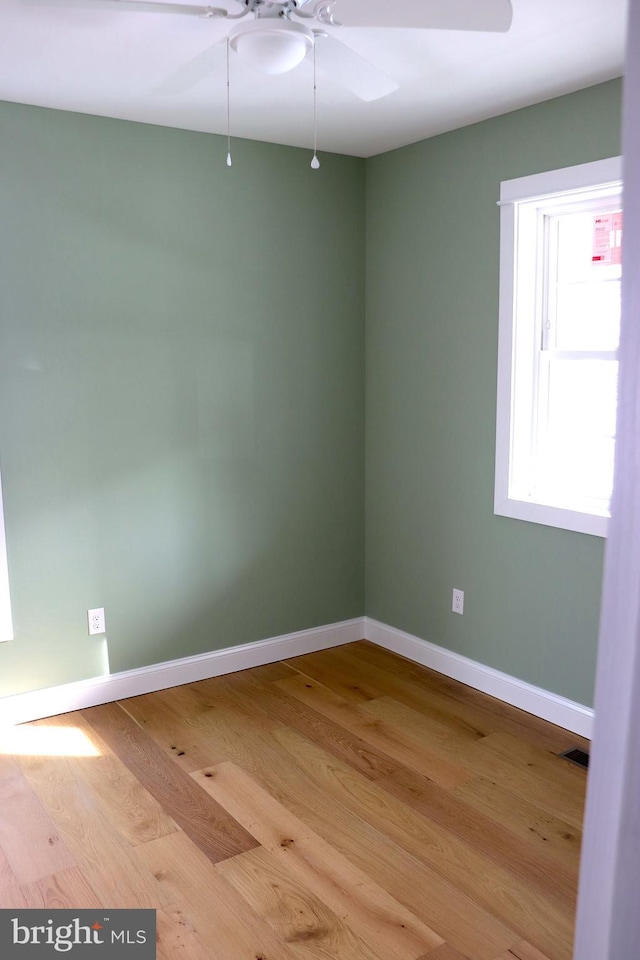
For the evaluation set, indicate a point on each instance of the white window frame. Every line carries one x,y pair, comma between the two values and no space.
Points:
6,622
601,173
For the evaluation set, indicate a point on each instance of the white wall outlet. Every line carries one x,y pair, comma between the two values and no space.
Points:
457,604
96,621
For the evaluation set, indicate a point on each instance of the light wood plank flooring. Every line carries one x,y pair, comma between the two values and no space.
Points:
346,804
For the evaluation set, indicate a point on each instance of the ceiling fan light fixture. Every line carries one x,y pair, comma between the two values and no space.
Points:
271,46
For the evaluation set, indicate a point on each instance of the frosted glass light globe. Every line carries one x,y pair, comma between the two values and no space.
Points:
271,46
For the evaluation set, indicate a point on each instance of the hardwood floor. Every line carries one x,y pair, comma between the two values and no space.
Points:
346,804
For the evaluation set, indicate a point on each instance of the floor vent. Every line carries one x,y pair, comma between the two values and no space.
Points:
581,757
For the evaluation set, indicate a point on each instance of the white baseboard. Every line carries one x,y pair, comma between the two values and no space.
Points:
541,703
132,683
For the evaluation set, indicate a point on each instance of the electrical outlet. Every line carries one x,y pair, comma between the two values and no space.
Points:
457,604
96,621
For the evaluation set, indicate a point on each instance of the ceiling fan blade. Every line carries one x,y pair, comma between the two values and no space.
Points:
131,6
490,15
352,71
192,72
149,6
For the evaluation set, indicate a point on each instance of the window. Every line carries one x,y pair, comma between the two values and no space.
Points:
560,271
6,626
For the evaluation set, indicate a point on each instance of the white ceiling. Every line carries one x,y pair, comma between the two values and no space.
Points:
111,63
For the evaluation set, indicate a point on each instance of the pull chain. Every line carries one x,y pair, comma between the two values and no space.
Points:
315,163
229,160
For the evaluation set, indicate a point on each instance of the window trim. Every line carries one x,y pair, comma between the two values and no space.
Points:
6,621
567,180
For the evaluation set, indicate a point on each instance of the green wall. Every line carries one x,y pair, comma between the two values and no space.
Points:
182,395
531,592
181,392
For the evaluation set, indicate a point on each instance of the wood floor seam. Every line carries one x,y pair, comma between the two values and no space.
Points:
210,827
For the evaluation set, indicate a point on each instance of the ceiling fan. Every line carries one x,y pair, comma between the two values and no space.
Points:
275,36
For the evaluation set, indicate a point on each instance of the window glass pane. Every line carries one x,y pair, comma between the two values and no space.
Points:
576,445
588,316
582,397
577,476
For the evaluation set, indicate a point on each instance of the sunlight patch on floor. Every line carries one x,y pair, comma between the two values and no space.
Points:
46,741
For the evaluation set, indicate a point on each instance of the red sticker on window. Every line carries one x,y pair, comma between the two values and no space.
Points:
607,238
